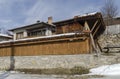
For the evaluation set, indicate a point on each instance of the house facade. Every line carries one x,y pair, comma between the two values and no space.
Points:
34,30
4,37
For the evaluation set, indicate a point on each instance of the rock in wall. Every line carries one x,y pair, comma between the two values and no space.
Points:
110,40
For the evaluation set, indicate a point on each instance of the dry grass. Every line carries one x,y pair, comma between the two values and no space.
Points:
57,71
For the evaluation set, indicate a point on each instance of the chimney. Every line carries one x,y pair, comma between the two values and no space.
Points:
38,21
50,20
75,17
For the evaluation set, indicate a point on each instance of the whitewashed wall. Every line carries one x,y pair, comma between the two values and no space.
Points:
113,29
20,30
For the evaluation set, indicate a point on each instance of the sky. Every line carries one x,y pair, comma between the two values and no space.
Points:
16,13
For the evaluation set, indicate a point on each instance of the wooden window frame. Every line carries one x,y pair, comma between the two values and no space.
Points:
19,35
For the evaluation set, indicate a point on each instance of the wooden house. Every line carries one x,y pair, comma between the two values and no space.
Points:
33,30
92,22
77,35
5,37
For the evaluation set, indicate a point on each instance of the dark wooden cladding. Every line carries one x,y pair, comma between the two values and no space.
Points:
53,46
72,27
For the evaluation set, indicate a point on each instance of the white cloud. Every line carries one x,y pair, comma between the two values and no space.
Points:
20,12
39,11
5,21
11,12
58,9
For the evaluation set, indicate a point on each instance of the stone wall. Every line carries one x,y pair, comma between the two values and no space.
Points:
110,40
59,61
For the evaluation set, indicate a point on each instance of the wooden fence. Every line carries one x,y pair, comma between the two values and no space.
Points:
51,46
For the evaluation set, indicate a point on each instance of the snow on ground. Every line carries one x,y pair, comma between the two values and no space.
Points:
18,75
111,71
106,70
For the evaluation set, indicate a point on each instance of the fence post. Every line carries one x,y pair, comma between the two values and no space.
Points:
12,60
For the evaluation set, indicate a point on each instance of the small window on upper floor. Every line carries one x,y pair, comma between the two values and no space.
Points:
40,32
19,35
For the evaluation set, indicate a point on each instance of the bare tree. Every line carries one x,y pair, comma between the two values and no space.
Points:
109,12
109,9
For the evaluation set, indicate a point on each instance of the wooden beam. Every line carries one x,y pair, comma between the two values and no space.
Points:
86,26
92,41
99,45
94,25
96,29
91,36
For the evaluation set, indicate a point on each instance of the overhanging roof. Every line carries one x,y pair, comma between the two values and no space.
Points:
84,17
29,26
90,19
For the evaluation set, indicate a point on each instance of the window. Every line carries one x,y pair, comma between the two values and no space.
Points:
40,32
19,35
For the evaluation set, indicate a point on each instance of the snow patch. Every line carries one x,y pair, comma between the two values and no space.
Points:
106,70
4,35
41,37
88,14
51,36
